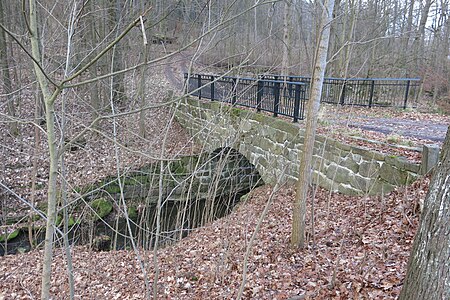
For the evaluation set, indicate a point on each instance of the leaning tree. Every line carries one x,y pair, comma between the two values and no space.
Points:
428,275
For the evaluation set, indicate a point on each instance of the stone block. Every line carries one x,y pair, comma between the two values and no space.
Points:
361,183
289,128
245,126
379,187
369,168
280,136
411,177
322,180
412,167
338,174
347,189
343,147
368,154
349,163
393,175
278,149
430,158
319,163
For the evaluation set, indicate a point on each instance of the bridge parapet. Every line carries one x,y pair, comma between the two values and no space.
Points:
273,146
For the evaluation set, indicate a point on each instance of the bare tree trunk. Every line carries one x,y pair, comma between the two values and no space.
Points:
118,79
142,86
419,39
49,100
304,178
6,76
92,39
428,275
286,37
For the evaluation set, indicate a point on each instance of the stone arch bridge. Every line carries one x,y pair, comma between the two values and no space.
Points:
272,145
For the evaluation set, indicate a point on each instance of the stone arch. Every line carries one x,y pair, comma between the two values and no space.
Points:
227,163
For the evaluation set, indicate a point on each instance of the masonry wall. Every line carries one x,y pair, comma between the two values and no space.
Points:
273,146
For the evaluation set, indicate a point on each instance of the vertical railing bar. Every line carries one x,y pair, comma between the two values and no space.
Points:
372,90
259,95
199,84
297,102
276,100
406,94
212,88
234,92
342,98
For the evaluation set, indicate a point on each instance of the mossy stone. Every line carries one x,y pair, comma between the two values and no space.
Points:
101,207
393,175
10,236
59,221
101,243
284,126
132,213
112,188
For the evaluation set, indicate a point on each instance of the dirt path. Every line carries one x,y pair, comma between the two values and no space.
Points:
174,70
417,129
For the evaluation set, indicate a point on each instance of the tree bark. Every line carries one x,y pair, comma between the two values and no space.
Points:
118,79
304,178
418,43
286,38
428,275
6,76
49,100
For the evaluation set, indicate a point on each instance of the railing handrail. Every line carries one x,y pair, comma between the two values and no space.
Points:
346,79
269,94
252,79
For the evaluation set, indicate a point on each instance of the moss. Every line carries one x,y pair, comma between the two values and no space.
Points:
13,220
189,162
59,221
10,236
72,221
112,188
101,207
135,180
141,178
177,167
393,139
132,213
261,118
236,112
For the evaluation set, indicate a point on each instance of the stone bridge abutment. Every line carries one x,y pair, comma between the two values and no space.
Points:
272,145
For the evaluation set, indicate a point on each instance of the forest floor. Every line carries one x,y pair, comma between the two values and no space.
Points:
358,248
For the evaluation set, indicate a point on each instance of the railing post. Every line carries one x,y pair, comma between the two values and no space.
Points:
372,89
297,102
234,91
342,98
186,83
259,94
408,83
276,101
199,84
212,87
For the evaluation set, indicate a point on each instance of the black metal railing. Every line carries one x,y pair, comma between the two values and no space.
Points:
286,95
369,92
275,96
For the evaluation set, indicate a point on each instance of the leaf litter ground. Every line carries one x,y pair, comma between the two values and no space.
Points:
359,250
